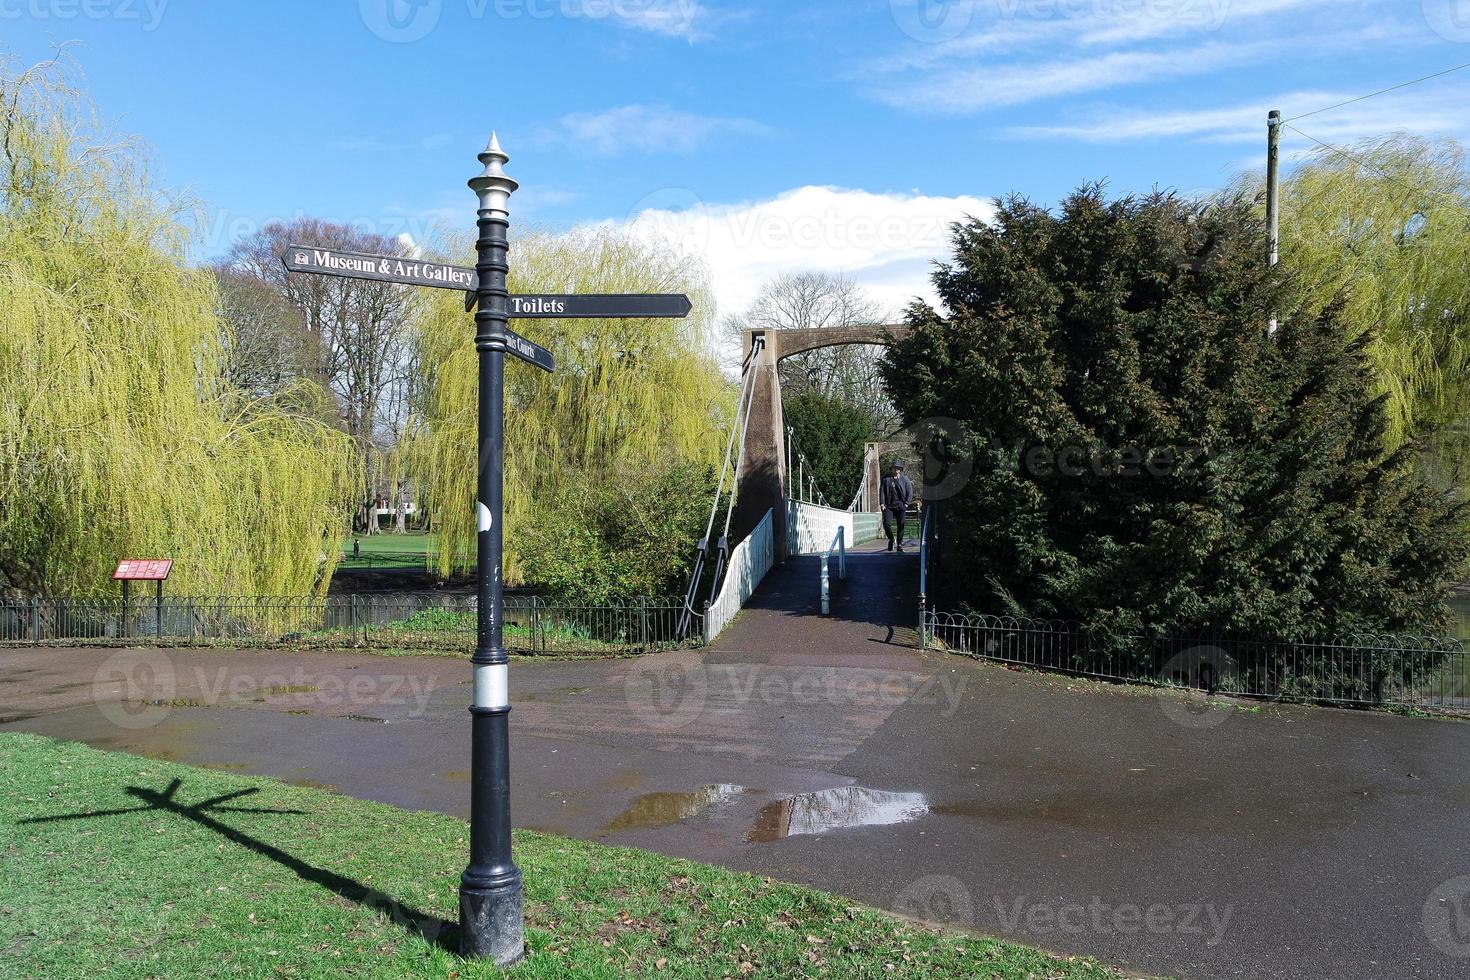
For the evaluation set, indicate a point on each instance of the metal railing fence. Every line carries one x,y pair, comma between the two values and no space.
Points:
401,621
749,563
1417,672
839,546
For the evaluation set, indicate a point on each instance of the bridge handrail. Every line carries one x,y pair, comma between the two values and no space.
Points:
839,545
809,526
749,563
925,525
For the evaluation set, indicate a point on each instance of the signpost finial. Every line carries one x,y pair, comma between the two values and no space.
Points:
494,186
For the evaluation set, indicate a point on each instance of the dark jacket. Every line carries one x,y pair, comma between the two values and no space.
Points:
896,493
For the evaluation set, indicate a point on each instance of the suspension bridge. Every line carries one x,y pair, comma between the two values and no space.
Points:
771,511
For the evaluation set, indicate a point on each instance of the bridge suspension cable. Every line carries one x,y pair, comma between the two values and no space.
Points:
740,425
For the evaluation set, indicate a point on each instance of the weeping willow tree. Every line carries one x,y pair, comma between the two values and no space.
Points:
1385,230
119,435
633,409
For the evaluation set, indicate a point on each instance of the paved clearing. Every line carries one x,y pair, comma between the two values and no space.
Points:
1151,831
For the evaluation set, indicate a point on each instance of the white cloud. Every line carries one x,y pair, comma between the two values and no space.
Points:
1121,21
969,56
646,129
1446,114
689,19
968,90
883,241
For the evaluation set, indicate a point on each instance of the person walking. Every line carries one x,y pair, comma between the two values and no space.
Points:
894,496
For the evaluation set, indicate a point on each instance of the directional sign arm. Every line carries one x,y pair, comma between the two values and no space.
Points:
377,268
593,306
531,353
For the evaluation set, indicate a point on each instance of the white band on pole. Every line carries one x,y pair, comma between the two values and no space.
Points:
492,686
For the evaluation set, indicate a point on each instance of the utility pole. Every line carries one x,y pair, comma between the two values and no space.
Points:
1273,193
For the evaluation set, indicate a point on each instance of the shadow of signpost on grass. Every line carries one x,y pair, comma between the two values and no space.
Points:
435,931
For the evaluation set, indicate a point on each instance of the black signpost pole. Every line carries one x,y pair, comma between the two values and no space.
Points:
491,913
491,905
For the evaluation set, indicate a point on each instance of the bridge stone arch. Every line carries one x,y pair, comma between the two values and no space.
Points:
763,473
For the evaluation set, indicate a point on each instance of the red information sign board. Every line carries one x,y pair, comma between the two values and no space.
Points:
143,569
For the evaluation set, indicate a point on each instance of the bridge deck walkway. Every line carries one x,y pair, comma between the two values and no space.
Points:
784,614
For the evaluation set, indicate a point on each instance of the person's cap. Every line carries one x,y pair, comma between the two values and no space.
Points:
898,466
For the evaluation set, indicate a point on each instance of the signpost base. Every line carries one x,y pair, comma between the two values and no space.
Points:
494,922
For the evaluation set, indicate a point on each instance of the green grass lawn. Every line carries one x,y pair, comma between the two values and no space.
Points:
115,865
389,550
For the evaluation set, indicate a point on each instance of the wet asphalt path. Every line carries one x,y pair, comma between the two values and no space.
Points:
1154,832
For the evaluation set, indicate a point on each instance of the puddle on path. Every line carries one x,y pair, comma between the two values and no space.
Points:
260,694
659,809
224,766
835,809
313,784
809,813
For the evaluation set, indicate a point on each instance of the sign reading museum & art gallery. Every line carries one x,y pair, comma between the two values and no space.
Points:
380,268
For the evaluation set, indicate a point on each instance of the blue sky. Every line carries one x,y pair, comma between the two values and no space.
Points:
830,135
